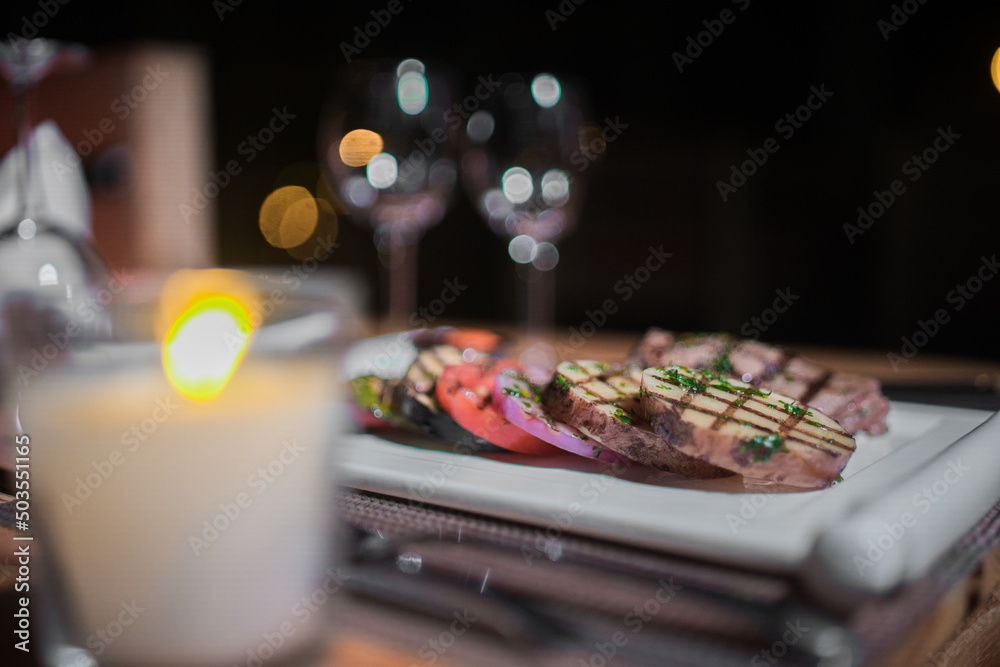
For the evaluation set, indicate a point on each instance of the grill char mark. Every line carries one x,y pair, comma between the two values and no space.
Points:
784,426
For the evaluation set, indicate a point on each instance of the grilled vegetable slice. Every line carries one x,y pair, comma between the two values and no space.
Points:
758,434
520,404
466,393
420,404
602,401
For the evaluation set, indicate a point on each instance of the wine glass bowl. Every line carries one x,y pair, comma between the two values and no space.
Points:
389,152
519,155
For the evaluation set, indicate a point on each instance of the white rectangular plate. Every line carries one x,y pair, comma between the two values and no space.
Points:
907,495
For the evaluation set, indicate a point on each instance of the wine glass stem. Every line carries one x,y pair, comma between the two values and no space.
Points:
538,307
402,285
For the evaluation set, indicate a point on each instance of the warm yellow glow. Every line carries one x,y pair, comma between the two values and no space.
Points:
183,289
359,146
995,69
298,223
288,216
205,346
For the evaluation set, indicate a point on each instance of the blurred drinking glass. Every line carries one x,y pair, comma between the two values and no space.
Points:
390,155
520,167
181,480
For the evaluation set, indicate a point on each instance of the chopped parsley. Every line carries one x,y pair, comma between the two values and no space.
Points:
684,379
722,365
794,410
763,446
622,417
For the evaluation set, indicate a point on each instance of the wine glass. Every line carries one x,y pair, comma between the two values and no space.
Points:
389,148
522,166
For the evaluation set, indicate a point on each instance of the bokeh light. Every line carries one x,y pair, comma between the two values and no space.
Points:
358,192
546,90
480,126
995,69
516,184
358,147
26,229
410,64
521,248
555,187
412,93
545,256
47,275
288,216
382,171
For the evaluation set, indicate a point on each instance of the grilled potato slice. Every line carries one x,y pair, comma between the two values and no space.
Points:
757,434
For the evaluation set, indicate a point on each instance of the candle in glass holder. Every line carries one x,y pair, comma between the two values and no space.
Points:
195,528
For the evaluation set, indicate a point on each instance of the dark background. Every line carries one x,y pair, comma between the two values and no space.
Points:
656,184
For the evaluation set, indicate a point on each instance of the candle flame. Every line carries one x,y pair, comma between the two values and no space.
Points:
205,345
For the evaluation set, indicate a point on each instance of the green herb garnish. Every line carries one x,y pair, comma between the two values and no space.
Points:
794,410
763,446
622,417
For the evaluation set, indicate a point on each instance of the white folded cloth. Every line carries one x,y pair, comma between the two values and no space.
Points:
57,197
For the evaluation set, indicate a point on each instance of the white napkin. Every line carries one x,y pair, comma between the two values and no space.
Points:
58,195
58,187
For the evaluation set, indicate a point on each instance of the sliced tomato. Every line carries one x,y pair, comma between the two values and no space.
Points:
477,339
465,391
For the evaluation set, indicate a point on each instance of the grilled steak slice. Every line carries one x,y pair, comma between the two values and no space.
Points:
602,402
760,435
854,401
420,406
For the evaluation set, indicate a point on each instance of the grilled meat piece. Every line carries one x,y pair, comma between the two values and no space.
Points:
602,401
855,402
760,435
